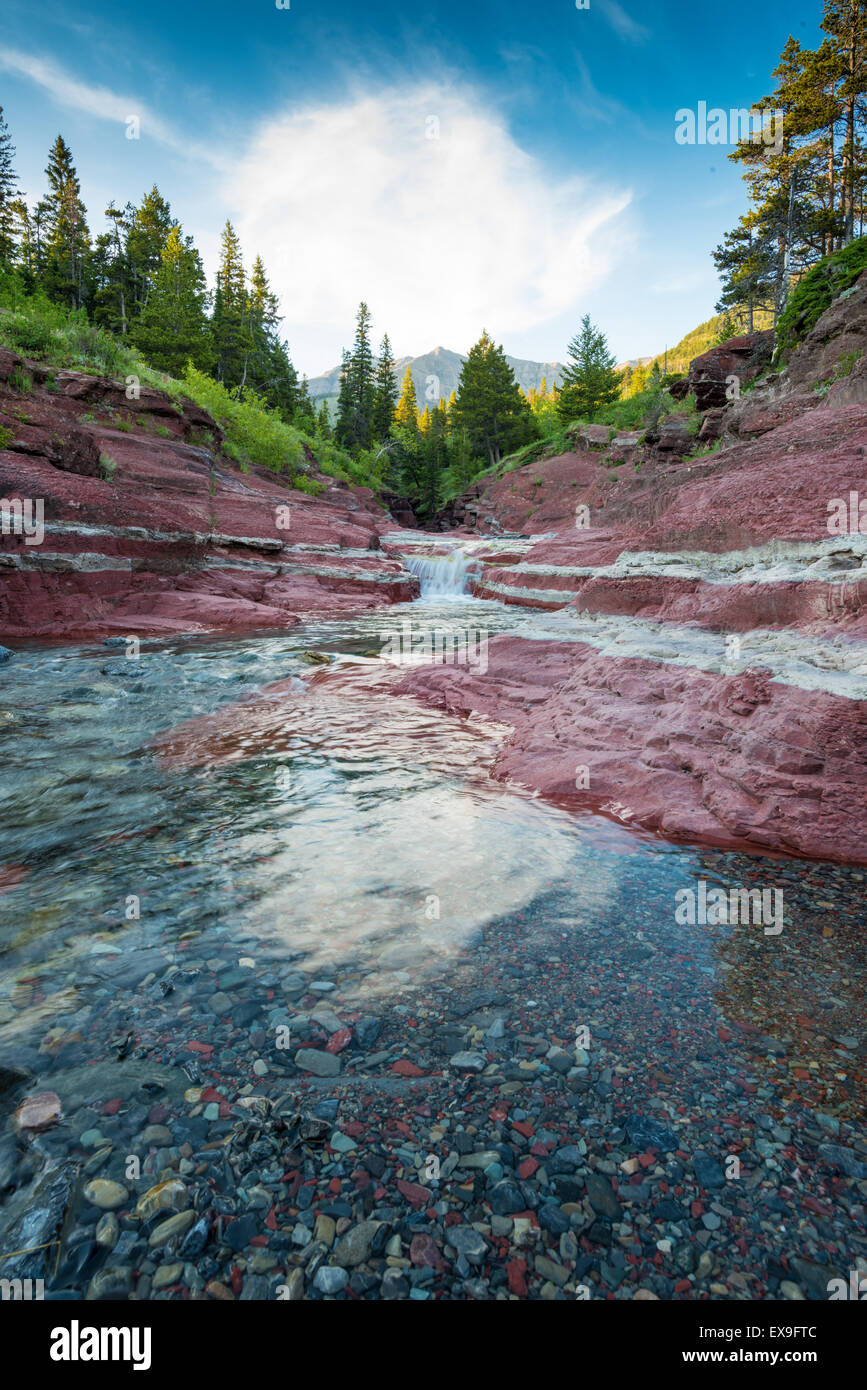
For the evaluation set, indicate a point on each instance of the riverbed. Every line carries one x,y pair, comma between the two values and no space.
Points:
643,1101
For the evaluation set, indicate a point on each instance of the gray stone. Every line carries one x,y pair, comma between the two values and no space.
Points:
708,1172
602,1196
319,1063
468,1242
353,1248
468,1061
330,1279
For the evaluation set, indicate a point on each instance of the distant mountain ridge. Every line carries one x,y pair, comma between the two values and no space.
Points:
437,374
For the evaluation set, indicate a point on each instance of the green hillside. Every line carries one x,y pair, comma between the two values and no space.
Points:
699,339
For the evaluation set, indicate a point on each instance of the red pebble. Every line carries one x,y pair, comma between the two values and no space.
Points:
527,1168
523,1127
516,1271
405,1068
425,1253
336,1043
205,1048
415,1194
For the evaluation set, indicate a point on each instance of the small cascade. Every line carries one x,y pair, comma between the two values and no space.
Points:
443,576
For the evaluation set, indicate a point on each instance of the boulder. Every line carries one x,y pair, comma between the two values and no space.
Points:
589,436
709,374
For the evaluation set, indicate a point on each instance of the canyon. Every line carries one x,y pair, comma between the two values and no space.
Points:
693,657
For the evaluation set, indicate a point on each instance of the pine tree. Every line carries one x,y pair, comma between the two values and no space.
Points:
270,372
406,411
230,322
8,191
304,416
384,393
461,468
354,422
489,405
343,422
112,297
323,422
67,240
27,251
147,234
433,459
590,379
845,22
745,265
172,328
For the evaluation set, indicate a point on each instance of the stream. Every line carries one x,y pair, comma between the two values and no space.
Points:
355,868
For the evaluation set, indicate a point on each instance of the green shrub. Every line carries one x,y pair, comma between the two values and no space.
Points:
31,336
6,437
703,450
255,434
21,381
107,467
814,293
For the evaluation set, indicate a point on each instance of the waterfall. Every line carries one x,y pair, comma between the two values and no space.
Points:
443,576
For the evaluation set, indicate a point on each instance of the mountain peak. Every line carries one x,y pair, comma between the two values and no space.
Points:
437,373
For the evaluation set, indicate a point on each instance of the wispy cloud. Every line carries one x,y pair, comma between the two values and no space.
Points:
592,104
622,23
420,201
103,103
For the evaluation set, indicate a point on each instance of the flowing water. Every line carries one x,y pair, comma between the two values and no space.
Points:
443,577
350,835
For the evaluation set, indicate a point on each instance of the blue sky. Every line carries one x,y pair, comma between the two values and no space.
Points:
458,165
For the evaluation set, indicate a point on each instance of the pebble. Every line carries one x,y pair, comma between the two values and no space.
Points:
330,1279
318,1063
106,1195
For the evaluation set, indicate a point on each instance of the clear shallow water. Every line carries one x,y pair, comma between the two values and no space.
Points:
349,833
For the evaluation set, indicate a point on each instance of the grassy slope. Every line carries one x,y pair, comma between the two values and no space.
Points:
699,339
255,434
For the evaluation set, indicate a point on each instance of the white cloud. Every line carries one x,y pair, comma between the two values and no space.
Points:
100,102
442,236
